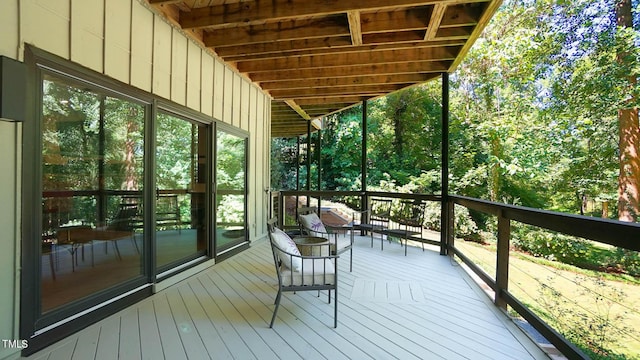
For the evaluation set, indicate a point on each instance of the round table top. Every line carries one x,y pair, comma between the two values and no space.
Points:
312,245
309,240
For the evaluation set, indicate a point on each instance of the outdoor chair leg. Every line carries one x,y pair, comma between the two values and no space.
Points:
351,259
275,311
335,308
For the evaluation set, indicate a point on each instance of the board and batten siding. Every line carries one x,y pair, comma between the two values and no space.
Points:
126,40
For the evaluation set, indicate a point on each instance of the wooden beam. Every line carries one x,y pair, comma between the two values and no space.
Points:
348,71
256,12
346,81
377,57
331,100
354,27
377,43
298,109
336,91
289,30
283,46
436,18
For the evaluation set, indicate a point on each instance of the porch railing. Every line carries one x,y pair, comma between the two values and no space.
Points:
619,234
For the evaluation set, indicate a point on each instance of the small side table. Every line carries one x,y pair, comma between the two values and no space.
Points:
312,245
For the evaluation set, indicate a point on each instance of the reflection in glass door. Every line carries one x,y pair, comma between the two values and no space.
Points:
181,178
92,172
231,165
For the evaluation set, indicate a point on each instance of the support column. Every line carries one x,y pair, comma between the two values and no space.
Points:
445,215
308,185
363,159
298,162
319,158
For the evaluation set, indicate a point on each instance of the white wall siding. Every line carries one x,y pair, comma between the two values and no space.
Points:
207,71
9,10
179,68
227,110
142,47
45,24
194,80
218,92
87,33
162,41
117,39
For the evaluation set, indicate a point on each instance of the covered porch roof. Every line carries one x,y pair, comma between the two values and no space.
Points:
391,306
319,57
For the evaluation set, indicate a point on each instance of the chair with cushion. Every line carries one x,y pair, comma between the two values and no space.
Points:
311,225
302,273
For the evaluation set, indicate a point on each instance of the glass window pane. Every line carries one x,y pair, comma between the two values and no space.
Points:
92,150
181,177
231,193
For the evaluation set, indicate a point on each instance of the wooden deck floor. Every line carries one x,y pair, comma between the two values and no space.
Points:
421,306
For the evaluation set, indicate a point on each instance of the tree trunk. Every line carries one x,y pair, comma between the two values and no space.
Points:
629,177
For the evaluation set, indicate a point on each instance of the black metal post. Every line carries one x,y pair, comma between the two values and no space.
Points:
319,158
308,185
363,164
363,159
298,162
445,220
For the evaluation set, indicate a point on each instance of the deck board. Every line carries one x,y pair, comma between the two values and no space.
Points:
148,344
203,325
109,341
130,333
419,306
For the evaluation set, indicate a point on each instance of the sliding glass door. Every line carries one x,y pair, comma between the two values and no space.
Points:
231,190
181,226
92,166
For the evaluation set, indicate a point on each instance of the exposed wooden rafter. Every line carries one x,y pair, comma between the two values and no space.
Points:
317,57
355,28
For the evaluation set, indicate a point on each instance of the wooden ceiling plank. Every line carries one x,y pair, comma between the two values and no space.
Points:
462,15
284,46
338,90
323,61
255,12
332,100
436,18
390,21
355,27
459,33
376,44
345,81
290,30
347,71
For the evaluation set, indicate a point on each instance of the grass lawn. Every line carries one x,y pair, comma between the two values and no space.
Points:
572,295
